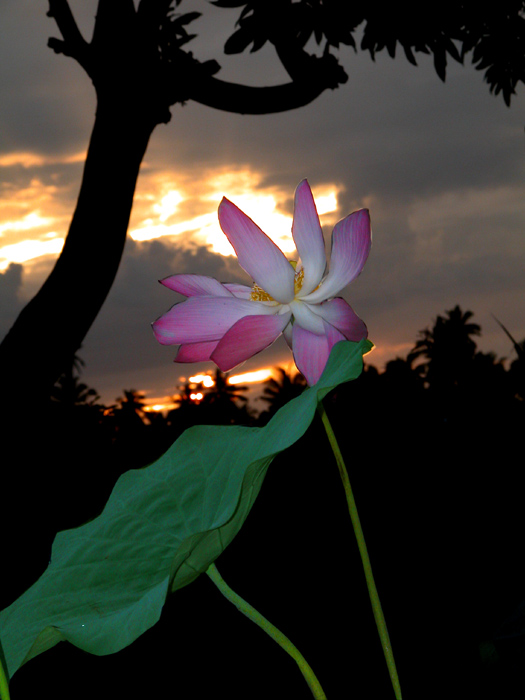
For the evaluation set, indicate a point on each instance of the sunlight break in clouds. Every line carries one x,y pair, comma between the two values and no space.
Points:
28,250
31,209
26,216
31,214
260,375
190,211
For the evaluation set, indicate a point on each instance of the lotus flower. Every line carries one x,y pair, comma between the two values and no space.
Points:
229,323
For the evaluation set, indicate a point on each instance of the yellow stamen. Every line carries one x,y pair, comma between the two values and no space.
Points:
299,277
258,294
298,281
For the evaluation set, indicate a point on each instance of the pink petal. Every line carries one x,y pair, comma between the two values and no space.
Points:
196,285
308,237
288,334
201,319
257,254
196,352
341,315
241,291
311,352
351,242
247,337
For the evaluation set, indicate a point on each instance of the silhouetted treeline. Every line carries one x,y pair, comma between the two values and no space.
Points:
434,451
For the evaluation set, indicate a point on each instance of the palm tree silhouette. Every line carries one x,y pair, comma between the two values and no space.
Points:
70,391
282,388
186,395
222,393
448,348
130,410
517,368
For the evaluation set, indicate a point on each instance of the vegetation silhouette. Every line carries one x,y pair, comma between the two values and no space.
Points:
279,390
517,368
70,391
130,410
221,392
448,347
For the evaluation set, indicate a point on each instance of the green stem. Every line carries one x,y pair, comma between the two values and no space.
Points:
372,590
4,685
270,629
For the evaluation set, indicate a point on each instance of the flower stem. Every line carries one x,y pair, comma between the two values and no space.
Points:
372,590
270,629
4,685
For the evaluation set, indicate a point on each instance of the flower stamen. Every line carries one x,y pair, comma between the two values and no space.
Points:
258,294
299,277
298,281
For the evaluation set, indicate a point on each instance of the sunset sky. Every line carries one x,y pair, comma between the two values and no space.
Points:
439,165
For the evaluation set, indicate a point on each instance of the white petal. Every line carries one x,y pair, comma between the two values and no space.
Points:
351,241
306,318
308,237
257,254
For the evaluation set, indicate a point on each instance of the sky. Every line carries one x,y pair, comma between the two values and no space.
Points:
439,165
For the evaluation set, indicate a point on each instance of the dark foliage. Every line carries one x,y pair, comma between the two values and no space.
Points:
493,34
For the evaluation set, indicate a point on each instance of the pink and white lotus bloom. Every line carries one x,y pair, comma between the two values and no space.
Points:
228,323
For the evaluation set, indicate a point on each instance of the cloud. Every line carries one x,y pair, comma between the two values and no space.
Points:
121,343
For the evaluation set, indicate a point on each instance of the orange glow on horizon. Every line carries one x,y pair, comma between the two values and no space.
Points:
156,407
251,377
190,211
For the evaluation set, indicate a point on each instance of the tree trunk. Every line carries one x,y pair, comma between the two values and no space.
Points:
52,326
39,479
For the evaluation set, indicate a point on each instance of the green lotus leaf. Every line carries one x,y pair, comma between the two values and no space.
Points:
162,527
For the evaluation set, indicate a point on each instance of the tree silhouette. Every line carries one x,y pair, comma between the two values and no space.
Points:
139,66
447,348
186,395
517,368
186,412
129,411
222,400
279,390
70,391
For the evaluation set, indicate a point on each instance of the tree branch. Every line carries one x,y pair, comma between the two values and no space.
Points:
243,99
73,43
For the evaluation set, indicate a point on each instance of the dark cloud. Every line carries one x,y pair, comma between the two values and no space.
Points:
121,346
47,103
